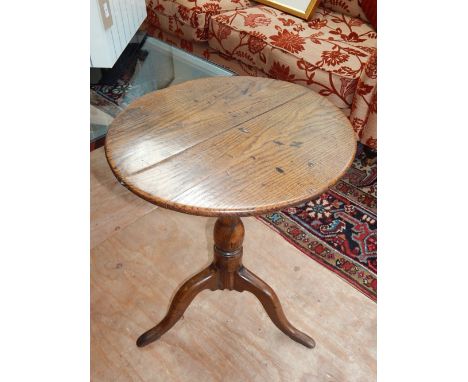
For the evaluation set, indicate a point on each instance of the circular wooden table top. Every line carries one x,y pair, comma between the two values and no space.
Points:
230,146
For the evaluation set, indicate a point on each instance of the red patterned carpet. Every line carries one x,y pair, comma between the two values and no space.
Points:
339,229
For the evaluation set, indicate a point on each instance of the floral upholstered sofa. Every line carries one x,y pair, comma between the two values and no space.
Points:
334,53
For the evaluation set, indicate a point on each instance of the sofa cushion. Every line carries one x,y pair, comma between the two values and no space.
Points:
327,53
189,19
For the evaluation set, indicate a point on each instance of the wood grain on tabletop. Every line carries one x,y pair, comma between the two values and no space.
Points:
230,146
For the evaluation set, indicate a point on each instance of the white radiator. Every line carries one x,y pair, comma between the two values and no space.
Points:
113,24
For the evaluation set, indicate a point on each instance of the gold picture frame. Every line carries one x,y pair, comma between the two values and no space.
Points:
290,6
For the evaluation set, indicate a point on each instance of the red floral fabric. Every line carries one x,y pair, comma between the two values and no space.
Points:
333,54
353,8
189,19
364,108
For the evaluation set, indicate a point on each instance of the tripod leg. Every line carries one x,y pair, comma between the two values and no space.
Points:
247,281
205,279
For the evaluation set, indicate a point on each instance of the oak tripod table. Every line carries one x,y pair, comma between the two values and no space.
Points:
229,147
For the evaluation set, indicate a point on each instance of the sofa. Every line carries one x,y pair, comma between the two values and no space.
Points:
334,53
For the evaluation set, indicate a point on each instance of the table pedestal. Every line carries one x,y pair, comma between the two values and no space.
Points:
226,272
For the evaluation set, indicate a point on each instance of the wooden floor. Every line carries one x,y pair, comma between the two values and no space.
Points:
140,254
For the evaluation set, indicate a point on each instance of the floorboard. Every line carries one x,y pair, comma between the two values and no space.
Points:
224,336
113,207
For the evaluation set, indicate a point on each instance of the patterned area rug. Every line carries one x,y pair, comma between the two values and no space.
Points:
339,229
